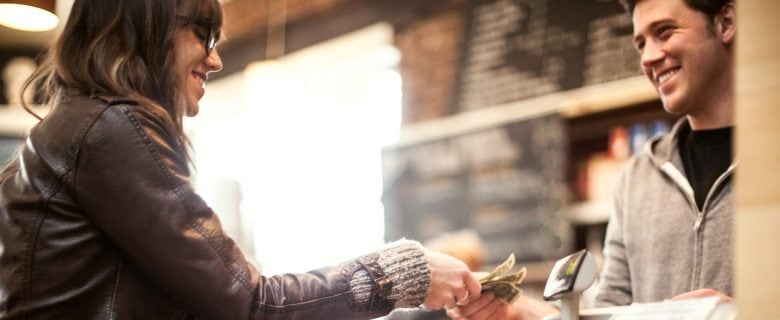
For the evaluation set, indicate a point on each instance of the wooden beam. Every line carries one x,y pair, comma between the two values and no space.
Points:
249,45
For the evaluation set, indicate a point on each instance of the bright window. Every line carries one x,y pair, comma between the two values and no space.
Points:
301,136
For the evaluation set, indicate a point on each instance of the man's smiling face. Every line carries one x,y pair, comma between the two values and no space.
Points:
681,53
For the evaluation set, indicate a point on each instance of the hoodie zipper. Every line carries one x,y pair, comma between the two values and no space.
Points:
715,186
683,183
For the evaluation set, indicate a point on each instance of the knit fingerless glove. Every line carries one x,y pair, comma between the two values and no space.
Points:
403,263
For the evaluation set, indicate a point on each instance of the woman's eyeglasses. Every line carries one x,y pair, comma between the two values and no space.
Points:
208,35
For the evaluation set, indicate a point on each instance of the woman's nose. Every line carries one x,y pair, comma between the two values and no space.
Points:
213,61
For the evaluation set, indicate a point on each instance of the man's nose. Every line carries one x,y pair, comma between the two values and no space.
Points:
651,54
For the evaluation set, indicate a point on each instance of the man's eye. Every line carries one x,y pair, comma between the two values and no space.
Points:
639,45
663,31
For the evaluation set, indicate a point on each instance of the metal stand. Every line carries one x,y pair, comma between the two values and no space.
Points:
569,277
570,307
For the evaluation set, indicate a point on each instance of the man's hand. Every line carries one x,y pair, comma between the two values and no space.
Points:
488,307
701,293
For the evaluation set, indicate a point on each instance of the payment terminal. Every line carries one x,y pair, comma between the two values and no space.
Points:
568,278
573,274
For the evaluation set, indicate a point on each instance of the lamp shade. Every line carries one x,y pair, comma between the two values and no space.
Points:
28,15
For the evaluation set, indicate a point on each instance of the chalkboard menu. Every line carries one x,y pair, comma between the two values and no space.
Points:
517,49
506,183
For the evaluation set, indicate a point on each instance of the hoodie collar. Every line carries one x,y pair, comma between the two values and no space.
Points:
663,148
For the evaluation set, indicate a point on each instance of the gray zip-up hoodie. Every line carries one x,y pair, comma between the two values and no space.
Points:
658,243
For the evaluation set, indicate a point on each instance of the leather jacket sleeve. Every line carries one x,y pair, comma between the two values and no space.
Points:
132,182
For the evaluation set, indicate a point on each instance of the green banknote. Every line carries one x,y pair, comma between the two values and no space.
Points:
504,286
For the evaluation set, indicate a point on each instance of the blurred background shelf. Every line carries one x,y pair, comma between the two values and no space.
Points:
588,212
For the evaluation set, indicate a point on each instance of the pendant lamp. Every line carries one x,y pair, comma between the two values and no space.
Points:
28,15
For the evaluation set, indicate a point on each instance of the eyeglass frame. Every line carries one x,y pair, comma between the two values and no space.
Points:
210,41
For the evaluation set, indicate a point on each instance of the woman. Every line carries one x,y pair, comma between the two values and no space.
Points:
98,218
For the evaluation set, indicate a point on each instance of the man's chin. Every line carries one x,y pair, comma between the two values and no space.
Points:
671,107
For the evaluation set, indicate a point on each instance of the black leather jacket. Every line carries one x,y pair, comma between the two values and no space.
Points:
98,220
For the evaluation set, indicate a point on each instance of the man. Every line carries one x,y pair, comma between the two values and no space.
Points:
671,233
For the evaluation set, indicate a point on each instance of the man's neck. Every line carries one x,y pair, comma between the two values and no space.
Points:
706,122
717,109
719,114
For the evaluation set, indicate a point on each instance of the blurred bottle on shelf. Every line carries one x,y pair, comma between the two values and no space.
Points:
658,128
639,137
619,146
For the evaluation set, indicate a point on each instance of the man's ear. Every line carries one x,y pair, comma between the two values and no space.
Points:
726,23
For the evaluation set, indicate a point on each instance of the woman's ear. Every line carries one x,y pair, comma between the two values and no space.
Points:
726,23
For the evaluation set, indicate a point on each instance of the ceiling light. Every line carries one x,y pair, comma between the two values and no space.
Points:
29,15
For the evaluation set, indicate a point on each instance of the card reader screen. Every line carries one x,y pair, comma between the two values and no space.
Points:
562,276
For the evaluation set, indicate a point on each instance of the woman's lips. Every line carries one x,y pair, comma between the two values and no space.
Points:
202,77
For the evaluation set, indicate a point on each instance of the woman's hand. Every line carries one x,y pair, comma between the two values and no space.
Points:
452,283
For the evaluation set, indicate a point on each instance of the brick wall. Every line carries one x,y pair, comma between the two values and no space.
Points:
430,53
430,43
244,16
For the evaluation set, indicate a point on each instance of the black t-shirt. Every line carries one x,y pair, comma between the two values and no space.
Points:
706,154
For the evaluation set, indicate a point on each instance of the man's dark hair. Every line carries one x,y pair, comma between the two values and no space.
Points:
708,7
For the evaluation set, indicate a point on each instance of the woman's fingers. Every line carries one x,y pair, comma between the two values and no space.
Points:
451,282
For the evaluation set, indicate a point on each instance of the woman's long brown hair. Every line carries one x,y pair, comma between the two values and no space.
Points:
122,48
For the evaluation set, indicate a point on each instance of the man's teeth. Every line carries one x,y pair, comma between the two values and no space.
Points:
662,78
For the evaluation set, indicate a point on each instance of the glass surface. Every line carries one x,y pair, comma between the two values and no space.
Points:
563,275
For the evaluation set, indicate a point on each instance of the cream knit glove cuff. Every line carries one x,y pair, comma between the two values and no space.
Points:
404,262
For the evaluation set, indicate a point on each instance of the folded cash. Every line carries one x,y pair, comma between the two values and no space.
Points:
504,286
